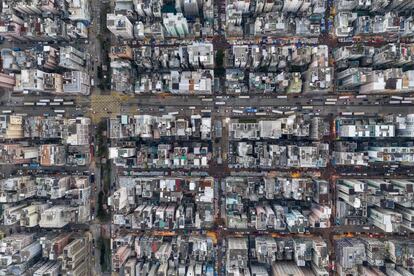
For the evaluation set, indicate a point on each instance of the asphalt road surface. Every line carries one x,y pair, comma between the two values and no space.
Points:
221,105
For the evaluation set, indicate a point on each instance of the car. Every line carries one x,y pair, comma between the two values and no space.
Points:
323,28
330,24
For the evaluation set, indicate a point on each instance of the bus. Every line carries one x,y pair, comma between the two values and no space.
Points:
6,111
67,103
250,110
28,103
41,103
59,111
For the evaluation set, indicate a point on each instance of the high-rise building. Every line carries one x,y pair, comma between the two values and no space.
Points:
292,5
49,268
71,58
191,8
237,253
175,24
75,258
76,82
120,26
79,10
121,255
29,80
55,217
7,81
